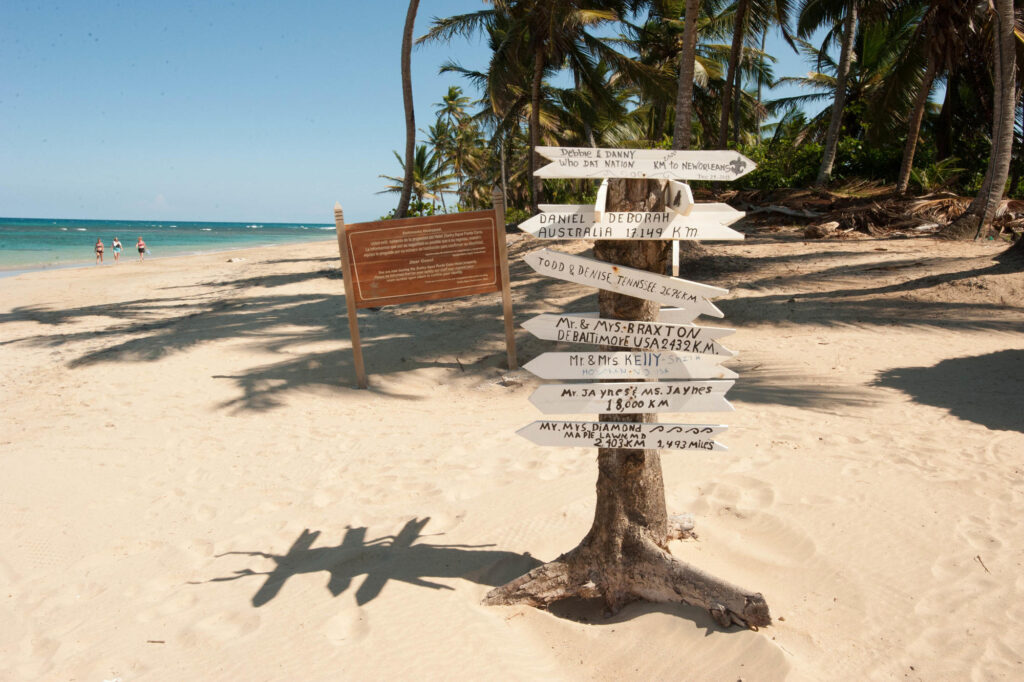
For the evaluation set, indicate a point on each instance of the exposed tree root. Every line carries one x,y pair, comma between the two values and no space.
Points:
654,576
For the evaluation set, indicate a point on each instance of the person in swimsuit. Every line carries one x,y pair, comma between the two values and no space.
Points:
141,246
99,251
116,244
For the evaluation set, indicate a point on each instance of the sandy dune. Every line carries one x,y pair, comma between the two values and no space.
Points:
193,489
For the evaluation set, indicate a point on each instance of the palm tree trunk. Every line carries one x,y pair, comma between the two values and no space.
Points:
914,127
760,82
504,176
536,184
737,97
732,77
981,211
687,66
836,121
944,131
410,116
1003,116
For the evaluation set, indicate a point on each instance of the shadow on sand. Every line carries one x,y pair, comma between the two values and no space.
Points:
984,389
393,557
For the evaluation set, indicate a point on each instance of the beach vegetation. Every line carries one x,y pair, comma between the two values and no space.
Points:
900,93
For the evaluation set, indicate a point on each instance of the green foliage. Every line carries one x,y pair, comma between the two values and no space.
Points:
417,209
937,176
856,159
782,165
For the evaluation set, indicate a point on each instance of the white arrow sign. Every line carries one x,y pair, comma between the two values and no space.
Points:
629,334
670,315
586,162
624,435
626,365
633,397
577,221
629,281
678,197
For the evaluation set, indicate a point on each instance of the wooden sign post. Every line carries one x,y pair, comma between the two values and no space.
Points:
423,259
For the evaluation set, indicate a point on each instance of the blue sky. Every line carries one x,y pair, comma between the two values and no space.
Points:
264,111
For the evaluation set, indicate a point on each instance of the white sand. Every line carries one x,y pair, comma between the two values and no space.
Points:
175,430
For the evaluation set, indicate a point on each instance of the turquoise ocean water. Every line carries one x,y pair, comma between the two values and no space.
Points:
35,243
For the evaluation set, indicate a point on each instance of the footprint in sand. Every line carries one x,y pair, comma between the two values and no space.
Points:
228,626
351,625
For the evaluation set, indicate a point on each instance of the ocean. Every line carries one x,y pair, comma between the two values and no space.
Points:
36,243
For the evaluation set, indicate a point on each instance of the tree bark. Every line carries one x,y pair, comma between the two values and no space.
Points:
944,131
1004,115
410,115
687,67
624,556
836,118
536,184
914,125
732,76
979,215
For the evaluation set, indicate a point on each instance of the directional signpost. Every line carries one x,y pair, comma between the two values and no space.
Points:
629,334
630,492
624,435
578,221
629,365
585,162
636,397
630,281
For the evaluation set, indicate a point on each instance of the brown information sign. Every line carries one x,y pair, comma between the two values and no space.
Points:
423,259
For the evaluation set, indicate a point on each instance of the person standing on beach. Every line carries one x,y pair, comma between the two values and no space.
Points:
99,251
141,245
116,245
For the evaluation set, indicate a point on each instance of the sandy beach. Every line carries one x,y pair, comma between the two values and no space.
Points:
194,489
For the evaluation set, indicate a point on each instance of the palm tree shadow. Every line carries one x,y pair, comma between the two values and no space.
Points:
392,557
984,389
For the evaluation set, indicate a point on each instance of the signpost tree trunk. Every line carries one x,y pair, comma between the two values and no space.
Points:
625,555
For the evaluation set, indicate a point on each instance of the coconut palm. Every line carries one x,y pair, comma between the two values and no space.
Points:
750,17
812,15
939,41
538,35
430,177
410,116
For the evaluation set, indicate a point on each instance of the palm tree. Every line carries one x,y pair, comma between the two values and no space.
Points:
410,116
538,35
755,16
812,15
941,33
430,177
1006,98
687,67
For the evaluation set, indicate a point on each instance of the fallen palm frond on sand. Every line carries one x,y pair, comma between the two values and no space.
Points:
867,209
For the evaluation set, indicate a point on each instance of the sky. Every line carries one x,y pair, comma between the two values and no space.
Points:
217,111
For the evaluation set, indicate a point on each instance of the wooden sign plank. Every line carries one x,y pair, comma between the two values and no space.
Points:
602,200
630,281
628,365
629,334
670,315
577,434
577,221
678,197
587,162
633,397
